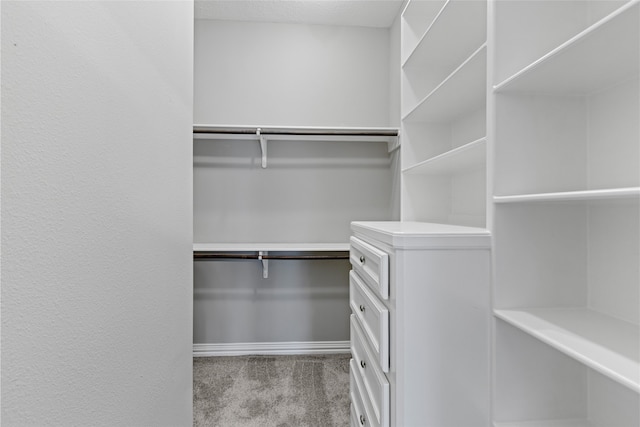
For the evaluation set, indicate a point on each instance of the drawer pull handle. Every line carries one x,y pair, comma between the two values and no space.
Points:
363,364
362,259
362,419
362,308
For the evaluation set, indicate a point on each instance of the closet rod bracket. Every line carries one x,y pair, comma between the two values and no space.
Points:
263,147
265,263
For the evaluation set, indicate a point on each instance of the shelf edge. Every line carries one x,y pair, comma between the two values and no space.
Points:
447,154
576,422
567,196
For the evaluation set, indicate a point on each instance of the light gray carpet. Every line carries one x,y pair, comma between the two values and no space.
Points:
271,391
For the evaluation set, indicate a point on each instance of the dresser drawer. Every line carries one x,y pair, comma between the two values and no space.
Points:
373,317
353,416
360,406
374,382
372,264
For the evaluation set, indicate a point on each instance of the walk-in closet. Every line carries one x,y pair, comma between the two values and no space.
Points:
451,197
396,213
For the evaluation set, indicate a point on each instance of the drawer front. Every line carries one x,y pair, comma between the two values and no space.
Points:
353,418
372,264
359,403
373,317
374,382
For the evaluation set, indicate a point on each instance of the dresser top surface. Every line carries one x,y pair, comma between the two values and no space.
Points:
416,235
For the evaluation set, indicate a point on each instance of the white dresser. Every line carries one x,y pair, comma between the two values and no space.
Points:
420,325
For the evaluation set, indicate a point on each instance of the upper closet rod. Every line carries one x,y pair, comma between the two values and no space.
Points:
240,130
262,134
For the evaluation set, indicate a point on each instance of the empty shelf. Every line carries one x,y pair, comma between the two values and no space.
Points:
603,343
463,91
603,54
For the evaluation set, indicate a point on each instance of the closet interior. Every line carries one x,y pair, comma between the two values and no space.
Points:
516,117
292,142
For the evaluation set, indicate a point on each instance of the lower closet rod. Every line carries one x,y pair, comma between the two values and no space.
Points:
250,256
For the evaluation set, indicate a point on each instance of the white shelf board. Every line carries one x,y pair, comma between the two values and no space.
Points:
461,26
462,91
603,343
605,53
569,196
467,157
546,423
282,247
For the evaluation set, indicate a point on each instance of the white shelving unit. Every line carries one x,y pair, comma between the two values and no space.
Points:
444,112
565,139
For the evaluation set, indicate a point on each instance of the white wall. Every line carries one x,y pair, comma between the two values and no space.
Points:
309,192
96,213
291,74
300,301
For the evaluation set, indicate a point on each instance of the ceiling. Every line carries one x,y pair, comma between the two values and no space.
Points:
365,13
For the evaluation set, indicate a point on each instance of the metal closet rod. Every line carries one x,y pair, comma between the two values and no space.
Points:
212,255
294,131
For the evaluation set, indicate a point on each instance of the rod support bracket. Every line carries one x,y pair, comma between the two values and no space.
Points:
263,147
265,263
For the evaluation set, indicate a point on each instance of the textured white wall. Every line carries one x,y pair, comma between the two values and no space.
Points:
96,213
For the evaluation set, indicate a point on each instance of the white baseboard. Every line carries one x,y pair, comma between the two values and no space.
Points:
271,348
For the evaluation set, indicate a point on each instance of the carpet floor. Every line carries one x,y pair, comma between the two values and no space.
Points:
271,391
